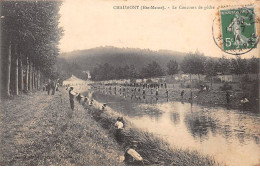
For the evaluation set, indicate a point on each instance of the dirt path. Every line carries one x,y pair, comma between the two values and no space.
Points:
38,129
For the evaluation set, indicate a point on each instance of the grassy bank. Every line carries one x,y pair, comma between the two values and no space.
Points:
153,149
39,129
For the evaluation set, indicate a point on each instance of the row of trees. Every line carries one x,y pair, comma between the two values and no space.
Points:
193,63
29,44
196,63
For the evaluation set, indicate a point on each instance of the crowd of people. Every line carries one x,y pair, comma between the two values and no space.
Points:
136,92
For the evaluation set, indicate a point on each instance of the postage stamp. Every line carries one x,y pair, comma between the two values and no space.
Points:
235,30
238,28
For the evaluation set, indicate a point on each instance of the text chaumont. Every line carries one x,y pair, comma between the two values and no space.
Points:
126,7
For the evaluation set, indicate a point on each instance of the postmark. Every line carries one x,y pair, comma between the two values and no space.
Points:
235,30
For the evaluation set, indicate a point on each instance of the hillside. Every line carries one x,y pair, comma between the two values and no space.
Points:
88,59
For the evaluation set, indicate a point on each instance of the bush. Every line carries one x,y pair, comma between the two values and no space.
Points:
226,87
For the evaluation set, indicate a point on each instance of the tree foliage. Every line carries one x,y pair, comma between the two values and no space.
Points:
172,67
33,26
193,63
152,70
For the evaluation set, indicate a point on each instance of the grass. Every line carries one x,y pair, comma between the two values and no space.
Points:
154,149
37,129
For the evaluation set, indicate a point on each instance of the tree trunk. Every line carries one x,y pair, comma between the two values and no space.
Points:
16,89
33,87
8,72
30,77
26,86
21,84
39,79
36,80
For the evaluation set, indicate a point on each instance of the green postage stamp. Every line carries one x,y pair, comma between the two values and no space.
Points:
238,29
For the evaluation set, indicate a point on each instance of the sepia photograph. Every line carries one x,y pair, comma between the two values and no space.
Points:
129,83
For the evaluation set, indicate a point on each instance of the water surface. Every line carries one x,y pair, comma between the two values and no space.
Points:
230,136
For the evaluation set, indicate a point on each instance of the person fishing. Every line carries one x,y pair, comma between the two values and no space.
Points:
228,97
157,92
167,93
182,94
72,94
78,97
132,157
119,126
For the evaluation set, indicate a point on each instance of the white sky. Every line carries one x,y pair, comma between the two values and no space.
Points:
93,23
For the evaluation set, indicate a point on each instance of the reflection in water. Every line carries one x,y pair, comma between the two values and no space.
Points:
175,118
230,136
199,126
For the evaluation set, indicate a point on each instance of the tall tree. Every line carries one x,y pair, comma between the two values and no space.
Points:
33,27
152,70
193,63
172,67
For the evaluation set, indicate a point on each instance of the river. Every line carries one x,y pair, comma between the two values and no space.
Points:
230,136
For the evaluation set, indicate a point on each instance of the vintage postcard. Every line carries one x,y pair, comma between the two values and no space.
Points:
129,83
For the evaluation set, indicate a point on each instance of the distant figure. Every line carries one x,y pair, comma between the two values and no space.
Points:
103,106
44,87
48,88
167,93
143,92
191,97
157,92
53,86
228,97
91,102
151,91
85,100
182,94
165,85
78,97
57,86
244,102
72,94
132,157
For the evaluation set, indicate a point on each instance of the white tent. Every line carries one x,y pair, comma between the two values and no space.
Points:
74,81
78,84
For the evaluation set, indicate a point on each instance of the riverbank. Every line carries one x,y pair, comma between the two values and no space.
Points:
38,129
154,149
211,98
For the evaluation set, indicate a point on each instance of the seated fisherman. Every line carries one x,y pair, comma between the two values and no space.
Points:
103,106
91,102
119,126
132,157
